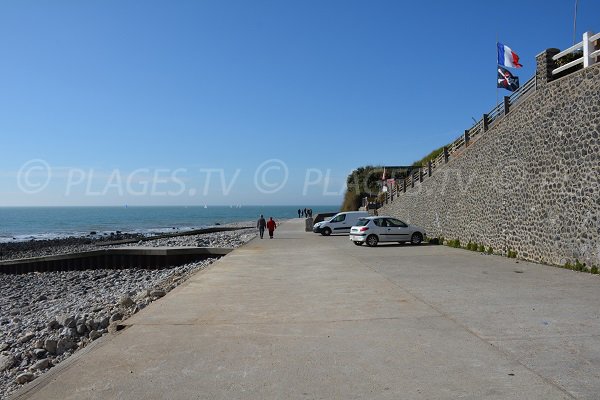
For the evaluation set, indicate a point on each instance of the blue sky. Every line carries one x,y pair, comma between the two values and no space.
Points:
140,102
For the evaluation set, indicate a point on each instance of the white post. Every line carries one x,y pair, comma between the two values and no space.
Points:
588,49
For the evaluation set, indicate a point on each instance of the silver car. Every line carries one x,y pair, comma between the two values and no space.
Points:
373,230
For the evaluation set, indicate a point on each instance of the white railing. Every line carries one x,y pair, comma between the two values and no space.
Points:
585,52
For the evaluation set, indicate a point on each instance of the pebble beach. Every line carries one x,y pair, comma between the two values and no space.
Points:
46,317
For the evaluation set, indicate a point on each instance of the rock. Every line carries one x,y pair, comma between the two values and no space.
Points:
64,345
157,293
53,325
116,317
39,353
68,332
67,321
26,338
40,365
50,346
4,346
81,329
95,335
114,327
91,325
6,362
42,298
103,324
24,378
39,344
126,302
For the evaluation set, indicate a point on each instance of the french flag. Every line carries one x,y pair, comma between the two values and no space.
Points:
507,58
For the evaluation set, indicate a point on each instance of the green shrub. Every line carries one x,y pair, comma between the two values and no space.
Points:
490,250
579,266
594,269
481,248
454,243
511,254
567,265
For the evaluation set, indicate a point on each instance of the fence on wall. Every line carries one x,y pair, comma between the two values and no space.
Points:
581,55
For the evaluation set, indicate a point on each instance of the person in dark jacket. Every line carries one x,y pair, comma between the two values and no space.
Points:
261,224
271,225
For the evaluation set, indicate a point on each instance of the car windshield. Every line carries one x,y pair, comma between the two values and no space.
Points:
362,222
339,218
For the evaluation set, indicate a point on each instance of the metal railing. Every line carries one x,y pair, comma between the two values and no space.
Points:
590,50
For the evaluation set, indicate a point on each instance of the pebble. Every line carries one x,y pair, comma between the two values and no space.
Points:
126,302
26,338
95,335
48,316
24,378
157,293
40,365
6,362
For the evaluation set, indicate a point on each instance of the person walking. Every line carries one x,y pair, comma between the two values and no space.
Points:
271,225
261,224
299,213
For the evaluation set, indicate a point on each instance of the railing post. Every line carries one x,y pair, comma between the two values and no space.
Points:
429,168
467,137
404,185
588,49
544,66
485,122
420,174
445,155
412,178
506,105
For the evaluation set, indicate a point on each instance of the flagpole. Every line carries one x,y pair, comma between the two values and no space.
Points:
496,69
575,23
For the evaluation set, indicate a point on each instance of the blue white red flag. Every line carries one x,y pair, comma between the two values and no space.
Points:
507,58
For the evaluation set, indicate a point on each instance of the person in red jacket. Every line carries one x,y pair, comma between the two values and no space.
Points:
271,225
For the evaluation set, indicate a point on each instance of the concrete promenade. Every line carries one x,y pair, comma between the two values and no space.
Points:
309,317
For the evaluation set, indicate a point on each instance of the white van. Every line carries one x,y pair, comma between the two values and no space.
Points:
339,223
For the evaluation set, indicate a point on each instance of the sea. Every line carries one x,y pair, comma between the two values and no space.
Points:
27,223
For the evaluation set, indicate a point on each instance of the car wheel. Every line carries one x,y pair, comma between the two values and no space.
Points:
358,243
372,240
326,232
416,238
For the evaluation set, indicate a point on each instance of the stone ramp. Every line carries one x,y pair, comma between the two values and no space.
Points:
307,317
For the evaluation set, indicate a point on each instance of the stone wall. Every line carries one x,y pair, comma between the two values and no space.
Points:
530,184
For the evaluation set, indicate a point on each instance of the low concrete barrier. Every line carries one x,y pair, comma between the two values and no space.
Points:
115,258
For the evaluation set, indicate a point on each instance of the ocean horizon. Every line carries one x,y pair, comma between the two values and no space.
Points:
51,222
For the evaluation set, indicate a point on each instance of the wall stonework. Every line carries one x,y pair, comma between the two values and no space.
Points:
530,184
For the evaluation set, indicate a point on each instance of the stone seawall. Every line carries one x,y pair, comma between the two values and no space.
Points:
530,184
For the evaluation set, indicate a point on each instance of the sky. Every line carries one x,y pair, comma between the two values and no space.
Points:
246,102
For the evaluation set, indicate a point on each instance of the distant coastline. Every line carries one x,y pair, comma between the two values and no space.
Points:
19,224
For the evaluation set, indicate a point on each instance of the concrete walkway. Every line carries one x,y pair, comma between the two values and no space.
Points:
309,317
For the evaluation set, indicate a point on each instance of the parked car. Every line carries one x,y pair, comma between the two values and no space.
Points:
339,223
373,230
